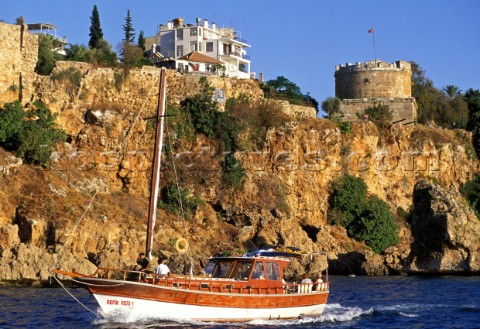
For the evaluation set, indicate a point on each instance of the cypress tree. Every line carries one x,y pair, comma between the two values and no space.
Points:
128,28
96,33
141,40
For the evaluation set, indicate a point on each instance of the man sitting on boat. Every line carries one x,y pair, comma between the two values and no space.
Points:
162,269
143,261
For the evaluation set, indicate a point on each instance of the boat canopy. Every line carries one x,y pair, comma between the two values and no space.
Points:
244,268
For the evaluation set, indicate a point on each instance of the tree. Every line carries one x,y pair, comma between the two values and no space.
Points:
379,114
32,135
331,106
20,20
46,57
366,219
96,33
444,107
282,88
128,29
141,40
472,97
76,53
451,91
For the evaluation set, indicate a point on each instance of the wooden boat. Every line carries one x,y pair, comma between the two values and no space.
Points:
232,289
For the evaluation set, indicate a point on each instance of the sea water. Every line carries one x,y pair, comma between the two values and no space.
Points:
360,302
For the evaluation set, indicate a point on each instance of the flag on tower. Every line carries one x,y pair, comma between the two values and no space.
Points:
371,30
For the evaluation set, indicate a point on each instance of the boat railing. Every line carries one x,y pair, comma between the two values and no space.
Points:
208,284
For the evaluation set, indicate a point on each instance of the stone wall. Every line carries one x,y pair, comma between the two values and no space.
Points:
404,109
18,57
373,79
138,90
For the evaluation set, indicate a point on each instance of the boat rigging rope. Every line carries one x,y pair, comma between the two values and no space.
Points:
125,140
187,252
75,298
74,229
98,285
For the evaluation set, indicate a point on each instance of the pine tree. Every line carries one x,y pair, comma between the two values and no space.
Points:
128,28
96,33
141,41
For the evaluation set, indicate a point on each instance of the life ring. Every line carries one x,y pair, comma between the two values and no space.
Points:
181,245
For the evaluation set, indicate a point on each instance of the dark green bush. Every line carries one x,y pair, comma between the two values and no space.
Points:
173,199
31,135
471,192
46,57
366,219
375,226
380,115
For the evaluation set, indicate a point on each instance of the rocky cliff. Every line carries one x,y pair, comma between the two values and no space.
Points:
89,207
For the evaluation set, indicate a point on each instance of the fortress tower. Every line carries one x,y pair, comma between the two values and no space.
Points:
362,85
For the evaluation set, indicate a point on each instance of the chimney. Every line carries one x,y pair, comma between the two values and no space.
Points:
214,26
205,24
199,21
169,25
178,22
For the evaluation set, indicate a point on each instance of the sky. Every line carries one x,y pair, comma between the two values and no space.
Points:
302,40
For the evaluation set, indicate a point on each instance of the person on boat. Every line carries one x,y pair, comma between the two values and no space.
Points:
162,269
258,272
306,279
318,282
143,261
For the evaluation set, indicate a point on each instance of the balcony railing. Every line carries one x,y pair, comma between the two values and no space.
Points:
237,54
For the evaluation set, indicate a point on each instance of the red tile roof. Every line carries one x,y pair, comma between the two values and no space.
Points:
198,57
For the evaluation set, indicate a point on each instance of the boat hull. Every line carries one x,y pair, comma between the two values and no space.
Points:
143,300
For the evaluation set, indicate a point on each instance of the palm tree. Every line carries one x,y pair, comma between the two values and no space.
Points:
76,52
451,91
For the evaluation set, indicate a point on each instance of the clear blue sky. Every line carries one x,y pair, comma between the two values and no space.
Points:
302,40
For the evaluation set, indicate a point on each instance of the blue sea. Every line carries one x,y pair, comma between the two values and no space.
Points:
361,302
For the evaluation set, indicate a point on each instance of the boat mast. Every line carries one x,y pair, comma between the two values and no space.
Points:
157,157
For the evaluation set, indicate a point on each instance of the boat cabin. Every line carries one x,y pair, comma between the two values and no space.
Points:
246,268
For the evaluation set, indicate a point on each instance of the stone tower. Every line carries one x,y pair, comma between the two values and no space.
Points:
362,85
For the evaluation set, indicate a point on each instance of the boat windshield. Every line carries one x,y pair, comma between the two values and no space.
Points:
241,270
222,268
210,267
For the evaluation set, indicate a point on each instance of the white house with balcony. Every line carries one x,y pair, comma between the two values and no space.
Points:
201,48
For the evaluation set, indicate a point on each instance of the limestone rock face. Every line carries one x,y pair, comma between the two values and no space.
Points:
445,230
89,208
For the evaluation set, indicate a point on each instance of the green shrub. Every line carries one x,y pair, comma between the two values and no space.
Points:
31,135
366,219
173,199
375,226
202,112
471,192
71,79
46,57
380,115
232,170
345,128
202,109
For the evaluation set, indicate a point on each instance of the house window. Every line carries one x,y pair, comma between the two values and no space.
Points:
179,50
193,45
193,31
180,34
209,46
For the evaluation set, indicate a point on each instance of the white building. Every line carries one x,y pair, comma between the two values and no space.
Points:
202,48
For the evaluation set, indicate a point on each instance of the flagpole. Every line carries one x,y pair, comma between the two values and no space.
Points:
372,31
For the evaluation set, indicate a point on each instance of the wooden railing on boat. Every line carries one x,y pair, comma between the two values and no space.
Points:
215,285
